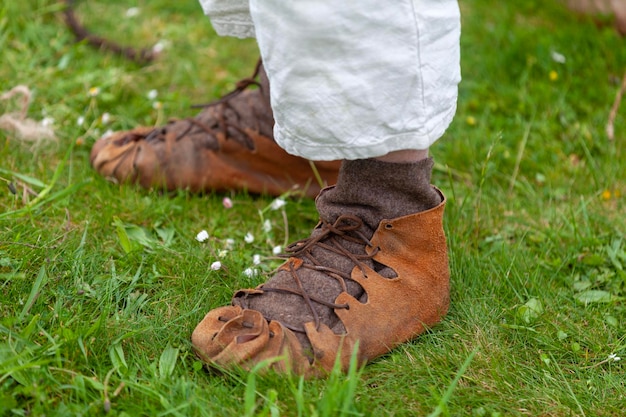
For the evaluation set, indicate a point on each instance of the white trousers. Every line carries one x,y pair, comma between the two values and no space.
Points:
352,80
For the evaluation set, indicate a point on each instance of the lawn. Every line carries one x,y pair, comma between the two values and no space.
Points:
101,284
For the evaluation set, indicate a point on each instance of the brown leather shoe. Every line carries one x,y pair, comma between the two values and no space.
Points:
228,146
377,283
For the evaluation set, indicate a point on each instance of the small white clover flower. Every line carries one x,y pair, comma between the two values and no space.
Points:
222,253
276,250
227,203
47,121
249,237
613,357
152,94
250,272
216,266
229,243
256,259
160,46
202,236
267,226
277,204
94,91
558,57
132,12
80,120
106,134
157,105
106,118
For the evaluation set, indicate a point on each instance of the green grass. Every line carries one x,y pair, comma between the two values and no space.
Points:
101,285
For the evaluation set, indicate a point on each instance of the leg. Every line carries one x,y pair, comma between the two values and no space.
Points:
364,85
411,155
229,145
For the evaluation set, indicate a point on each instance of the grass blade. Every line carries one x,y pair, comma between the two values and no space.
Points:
448,394
40,281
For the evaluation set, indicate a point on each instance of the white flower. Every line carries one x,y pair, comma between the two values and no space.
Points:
106,118
249,237
222,253
160,46
250,272
229,243
152,94
557,57
227,202
47,121
132,12
157,105
256,259
267,226
216,266
106,134
613,357
80,120
276,250
278,203
94,91
202,236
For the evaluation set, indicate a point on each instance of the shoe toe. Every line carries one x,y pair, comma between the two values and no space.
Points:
231,335
114,156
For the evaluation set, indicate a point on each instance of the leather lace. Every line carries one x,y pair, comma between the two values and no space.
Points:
221,124
330,237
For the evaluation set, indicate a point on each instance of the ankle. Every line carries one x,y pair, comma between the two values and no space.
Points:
404,156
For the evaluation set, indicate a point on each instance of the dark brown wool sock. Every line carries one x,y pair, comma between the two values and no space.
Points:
367,191
375,190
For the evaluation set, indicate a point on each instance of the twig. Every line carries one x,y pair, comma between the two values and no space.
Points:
107,400
141,56
610,129
520,155
28,245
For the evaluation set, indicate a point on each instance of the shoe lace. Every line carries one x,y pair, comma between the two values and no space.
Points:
223,104
222,123
330,237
